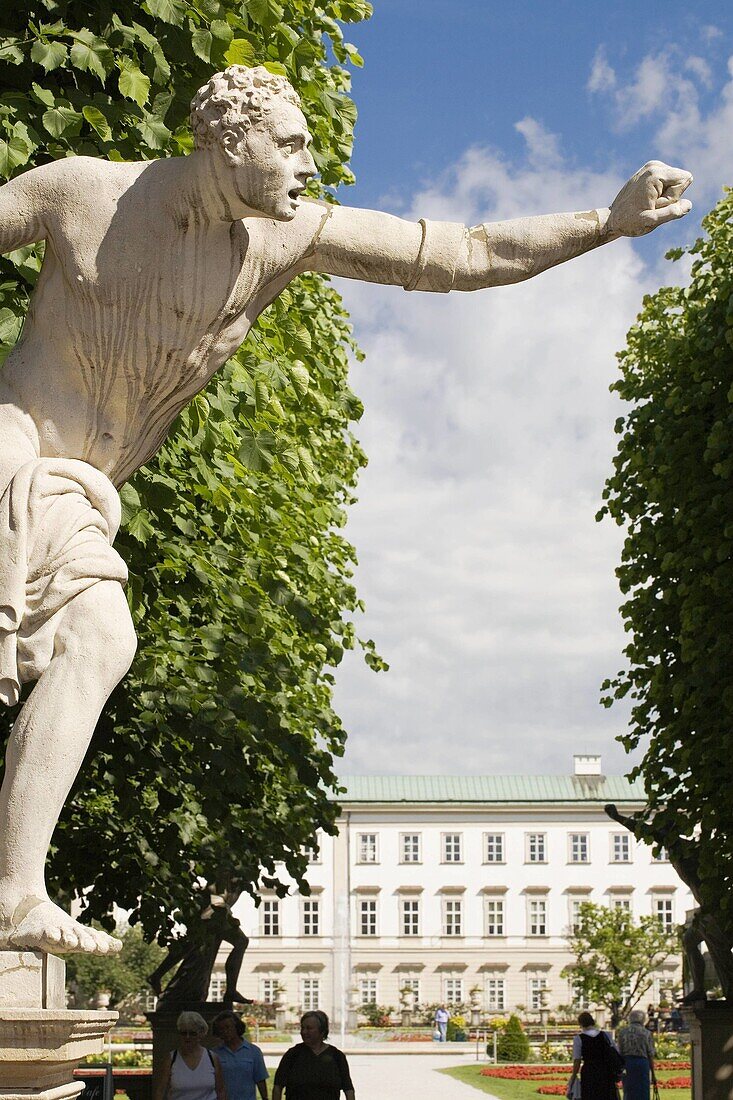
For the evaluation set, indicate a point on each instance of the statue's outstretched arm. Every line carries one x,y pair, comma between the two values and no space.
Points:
443,256
24,204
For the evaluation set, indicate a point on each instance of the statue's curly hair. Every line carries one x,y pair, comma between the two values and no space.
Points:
234,101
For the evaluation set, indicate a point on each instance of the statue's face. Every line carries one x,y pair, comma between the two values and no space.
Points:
272,163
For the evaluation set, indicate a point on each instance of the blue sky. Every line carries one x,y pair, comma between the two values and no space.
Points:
489,426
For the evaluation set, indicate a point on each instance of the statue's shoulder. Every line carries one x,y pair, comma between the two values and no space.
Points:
72,178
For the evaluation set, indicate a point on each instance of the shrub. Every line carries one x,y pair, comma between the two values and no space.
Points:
456,1032
512,1044
377,1015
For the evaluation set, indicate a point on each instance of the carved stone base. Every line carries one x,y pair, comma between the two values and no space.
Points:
711,1033
41,1041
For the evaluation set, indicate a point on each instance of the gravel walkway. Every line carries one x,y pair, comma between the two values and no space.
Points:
404,1077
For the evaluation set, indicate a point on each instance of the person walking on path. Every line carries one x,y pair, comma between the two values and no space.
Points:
193,1073
241,1061
313,1069
637,1047
442,1016
596,1053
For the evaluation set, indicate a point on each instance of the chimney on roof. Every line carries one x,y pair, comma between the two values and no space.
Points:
586,765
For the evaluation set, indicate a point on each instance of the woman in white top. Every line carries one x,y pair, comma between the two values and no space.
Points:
194,1072
596,1053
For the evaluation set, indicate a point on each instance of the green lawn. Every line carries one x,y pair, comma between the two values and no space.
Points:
527,1090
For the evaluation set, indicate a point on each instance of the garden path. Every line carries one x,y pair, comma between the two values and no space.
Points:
405,1077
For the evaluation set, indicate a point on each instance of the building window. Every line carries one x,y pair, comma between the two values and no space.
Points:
620,848
311,994
367,847
367,917
659,855
493,847
537,917
367,991
537,986
452,848
494,916
311,917
454,991
268,990
414,985
452,914
217,986
536,848
410,916
312,852
270,918
579,848
663,909
495,994
410,847
575,904
577,998
617,902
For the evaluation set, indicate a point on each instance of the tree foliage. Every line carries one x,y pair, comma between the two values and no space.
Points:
123,976
673,490
214,758
512,1044
616,956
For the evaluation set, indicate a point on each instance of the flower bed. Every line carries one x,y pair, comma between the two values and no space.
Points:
549,1074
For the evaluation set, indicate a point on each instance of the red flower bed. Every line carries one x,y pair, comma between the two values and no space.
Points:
547,1073
525,1073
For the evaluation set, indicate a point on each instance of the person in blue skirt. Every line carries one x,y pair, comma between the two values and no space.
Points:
637,1047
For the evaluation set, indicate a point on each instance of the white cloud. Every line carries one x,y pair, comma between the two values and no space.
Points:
489,427
602,77
543,148
672,108
655,87
701,69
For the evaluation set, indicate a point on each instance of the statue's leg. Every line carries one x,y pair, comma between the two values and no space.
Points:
176,951
94,646
694,962
233,965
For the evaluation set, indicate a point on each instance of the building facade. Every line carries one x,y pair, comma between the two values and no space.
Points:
458,887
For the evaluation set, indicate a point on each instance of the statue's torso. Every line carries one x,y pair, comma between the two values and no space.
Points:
135,309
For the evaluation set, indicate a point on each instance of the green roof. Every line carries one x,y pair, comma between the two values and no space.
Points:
490,788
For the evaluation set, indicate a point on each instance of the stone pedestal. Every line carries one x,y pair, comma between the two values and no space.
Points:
711,1033
41,1041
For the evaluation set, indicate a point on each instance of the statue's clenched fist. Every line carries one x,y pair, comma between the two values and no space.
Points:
652,196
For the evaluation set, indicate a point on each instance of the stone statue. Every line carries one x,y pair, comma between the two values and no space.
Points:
712,929
197,952
153,275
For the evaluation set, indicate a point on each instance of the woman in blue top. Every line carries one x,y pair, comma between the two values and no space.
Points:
241,1062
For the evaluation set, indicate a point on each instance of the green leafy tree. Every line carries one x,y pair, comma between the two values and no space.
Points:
214,758
672,489
512,1044
123,976
615,956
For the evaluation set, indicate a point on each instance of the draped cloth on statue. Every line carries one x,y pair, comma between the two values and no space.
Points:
58,519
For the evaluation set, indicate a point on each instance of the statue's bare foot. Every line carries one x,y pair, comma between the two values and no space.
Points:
39,925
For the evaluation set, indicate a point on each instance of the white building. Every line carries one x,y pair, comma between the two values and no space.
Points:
449,884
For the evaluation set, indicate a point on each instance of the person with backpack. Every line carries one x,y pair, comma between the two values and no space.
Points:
194,1072
598,1062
